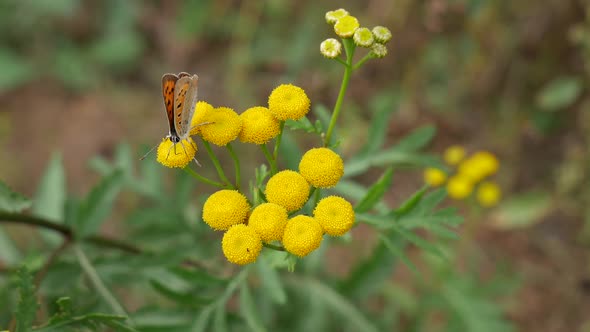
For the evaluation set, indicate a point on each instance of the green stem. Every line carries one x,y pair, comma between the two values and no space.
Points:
97,282
201,178
349,48
236,164
269,157
341,61
362,61
278,142
217,164
316,198
273,247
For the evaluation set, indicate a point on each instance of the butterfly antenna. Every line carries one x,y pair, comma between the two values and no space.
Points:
150,151
201,124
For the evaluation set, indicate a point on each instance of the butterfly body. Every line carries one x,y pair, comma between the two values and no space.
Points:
180,97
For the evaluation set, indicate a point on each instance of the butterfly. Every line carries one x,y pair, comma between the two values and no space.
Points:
180,97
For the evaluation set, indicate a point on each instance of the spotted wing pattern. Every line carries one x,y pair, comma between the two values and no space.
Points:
168,89
185,98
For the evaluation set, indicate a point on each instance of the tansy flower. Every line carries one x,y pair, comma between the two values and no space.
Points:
330,48
335,215
459,187
288,189
454,154
346,26
225,208
288,101
479,165
269,220
363,37
258,126
303,234
378,50
241,244
488,194
176,155
201,112
334,15
224,127
382,34
321,167
434,176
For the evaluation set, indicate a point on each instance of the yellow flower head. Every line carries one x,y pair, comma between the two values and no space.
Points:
382,34
288,101
363,37
321,167
225,208
258,126
454,154
176,155
288,189
434,176
241,244
334,15
459,187
269,220
202,110
335,215
378,50
224,127
346,26
488,194
479,165
331,48
303,234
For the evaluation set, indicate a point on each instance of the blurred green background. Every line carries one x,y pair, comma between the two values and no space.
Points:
80,77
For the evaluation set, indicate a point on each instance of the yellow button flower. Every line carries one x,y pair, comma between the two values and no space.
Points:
321,167
479,165
241,244
258,126
378,50
288,189
330,48
224,127
303,234
202,110
382,34
346,26
459,187
335,215
288,101
334,15
363,37
488,194
225,208
454,154
269,221
434,176
176,155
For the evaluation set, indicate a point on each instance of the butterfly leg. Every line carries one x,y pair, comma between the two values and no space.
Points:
195,159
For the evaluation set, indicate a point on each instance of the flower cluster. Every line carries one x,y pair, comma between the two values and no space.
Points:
348,28
471,173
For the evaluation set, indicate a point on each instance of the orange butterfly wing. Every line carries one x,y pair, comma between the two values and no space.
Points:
180,91
168,85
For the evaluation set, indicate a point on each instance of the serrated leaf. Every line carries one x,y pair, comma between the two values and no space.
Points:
183,298
198,277
419,242
410,203
376,132
416,140
11,201
301,124
559,93
90,321
375,193
271,281
27,303
399,253
49,201
248,310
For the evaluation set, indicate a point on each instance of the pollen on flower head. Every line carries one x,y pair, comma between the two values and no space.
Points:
378,50
269,221
225,208
363,37
202,110
454,154
288,189
258,125
241,244
176,155
330,48
321,167
335,215
434,176
488,194
288,102
224,126
346,26
382,34
459,187
303,234
334,15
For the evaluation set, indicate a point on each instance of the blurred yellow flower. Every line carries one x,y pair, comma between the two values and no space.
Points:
288,101
258,125
459,187
202,111
269,221
303,234
225,208
241,244
176,155
346,26
488,194
334,15
479,165
224,126
434,176
288,189
321,167
335,215
454,154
